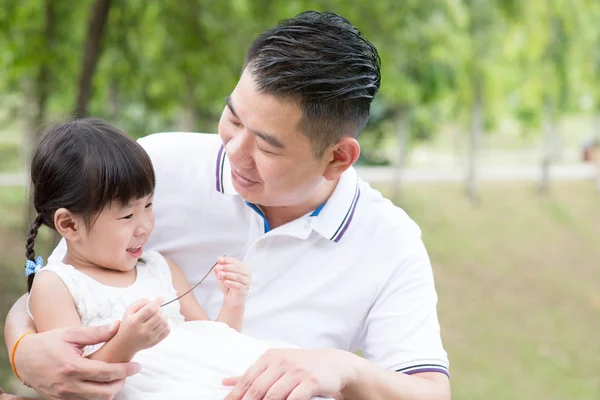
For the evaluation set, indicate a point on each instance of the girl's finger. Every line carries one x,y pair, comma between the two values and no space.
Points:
234,285
230,276
240,269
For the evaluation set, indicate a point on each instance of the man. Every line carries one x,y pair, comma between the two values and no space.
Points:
336,267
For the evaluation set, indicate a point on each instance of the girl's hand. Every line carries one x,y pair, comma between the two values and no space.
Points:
143,325
234,279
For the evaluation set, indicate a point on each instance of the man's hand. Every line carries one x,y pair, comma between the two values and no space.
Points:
52,363
289,374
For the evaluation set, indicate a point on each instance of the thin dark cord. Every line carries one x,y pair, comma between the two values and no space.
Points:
193,287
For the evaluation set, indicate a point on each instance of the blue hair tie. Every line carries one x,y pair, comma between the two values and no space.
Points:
34,267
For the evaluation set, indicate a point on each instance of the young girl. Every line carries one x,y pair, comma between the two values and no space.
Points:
94,186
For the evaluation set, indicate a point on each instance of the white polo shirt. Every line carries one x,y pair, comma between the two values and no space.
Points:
352,275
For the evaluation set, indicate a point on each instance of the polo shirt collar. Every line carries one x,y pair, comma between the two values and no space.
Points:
336,215
331,220
224,183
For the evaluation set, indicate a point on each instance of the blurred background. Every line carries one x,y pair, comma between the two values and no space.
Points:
486,130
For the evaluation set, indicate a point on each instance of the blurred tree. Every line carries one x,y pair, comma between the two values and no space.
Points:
415,42
483,80
554,61
96,26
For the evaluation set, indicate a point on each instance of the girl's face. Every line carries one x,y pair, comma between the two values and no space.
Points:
116,237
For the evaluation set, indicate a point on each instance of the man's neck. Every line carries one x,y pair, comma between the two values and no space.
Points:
278,216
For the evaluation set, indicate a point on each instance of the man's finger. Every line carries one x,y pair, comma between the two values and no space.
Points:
231,381
99,371
88,335
247,379
93,390
262,384
282,388
304,391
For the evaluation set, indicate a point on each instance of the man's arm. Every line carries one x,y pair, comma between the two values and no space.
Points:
302,374
18,323
371,382
52,363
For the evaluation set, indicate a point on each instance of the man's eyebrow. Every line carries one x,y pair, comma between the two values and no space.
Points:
230,106
271,139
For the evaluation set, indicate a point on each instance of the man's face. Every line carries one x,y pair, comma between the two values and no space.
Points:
272,162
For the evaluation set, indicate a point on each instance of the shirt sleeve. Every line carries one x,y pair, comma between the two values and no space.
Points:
402,331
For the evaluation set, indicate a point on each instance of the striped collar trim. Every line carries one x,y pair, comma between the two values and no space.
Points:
223,181
332,219
337,214
219,169
341,230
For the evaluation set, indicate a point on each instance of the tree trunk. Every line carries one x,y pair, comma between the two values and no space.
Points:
548,144
402,138
476,132
97,21
36,93
113,104
189,120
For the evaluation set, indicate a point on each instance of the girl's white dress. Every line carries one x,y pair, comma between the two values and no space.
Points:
191,362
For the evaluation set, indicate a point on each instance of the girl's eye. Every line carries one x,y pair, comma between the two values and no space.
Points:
149,205
236,124
128,216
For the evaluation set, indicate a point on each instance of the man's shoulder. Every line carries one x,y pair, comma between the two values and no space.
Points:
182,160
181,150
183,143
383,218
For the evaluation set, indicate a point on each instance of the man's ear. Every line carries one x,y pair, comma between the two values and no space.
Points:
341,156
67,225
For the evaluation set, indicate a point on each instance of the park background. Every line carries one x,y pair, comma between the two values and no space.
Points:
486,131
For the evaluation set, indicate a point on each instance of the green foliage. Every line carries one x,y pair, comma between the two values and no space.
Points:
169,64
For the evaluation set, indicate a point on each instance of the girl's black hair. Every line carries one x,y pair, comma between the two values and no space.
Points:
82,166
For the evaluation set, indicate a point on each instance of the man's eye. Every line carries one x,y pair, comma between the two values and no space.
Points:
266,151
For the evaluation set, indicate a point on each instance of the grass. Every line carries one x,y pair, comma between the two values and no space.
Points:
519,284
518,279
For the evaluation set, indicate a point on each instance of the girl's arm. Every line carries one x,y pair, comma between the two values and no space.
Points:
189,307
52,306
234,279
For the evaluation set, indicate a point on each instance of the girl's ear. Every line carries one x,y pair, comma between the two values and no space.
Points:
68,225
